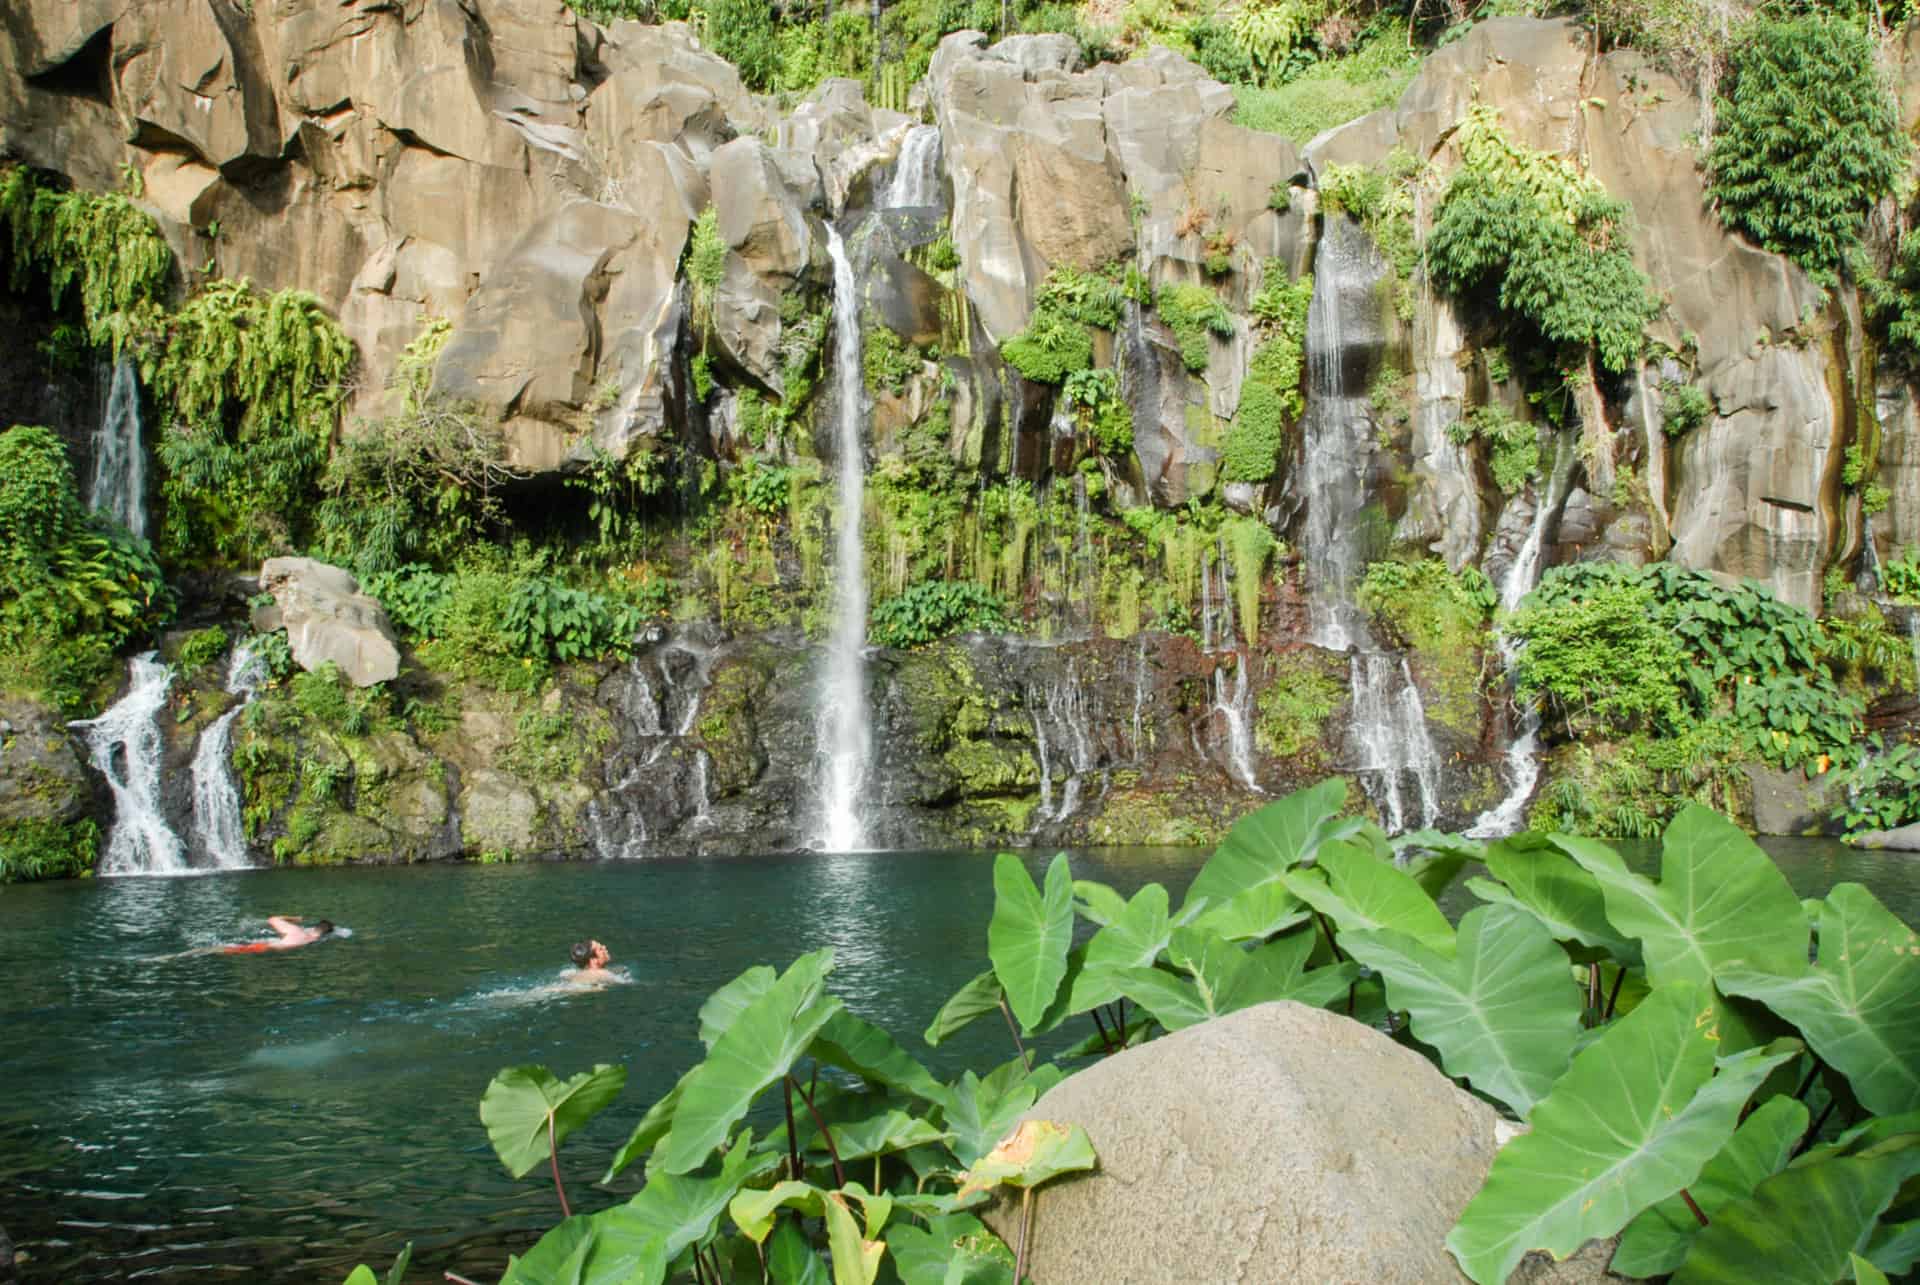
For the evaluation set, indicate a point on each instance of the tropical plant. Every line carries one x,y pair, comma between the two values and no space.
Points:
1192,313
100,241
1882,790
1806,140
933,609
1513,444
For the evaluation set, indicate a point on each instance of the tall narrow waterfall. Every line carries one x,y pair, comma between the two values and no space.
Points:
119,487
125,745
1389,722
1523,751
916,175
845,738
216,801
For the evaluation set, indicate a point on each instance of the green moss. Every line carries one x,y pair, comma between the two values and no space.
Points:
984,769
1192,313
1147,818
1052,347
1443,619
1303,690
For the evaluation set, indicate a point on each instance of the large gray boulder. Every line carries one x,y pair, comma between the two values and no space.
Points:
1280,1143
327,618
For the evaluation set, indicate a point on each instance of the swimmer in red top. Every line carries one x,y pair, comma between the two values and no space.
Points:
292,933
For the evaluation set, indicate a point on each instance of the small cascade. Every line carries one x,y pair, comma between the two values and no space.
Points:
845,737
1060,709
1523,752
655,773
916,175
1389,719
125,746
1139,698
119,487
1234,705
216,800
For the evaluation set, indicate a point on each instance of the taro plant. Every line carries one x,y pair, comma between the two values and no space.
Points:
1719,1074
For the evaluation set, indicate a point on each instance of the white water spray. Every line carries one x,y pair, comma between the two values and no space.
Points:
119,487
216,801
125,746
845,737
916,175
1389,721
1523,752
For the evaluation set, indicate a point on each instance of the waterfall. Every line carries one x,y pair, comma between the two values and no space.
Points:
1139,696
1389,721
1234,706
845,738
1523,752
916,175
119,487
125,746
1063,703
216,802
659,699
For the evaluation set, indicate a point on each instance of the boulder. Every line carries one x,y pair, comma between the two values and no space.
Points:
1904,838
327,618
1279,1143
41,777
1790,802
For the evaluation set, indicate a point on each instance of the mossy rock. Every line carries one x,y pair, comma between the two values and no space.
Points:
727,729
1137,817
1304,689
992,769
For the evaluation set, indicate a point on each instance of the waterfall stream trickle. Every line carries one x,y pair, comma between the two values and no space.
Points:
1523,752
916,175
125,746
119,487
845,737
216,802
1389,719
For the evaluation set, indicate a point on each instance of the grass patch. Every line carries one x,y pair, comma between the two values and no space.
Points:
1330,93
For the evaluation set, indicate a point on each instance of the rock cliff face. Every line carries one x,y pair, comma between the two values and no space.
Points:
534,179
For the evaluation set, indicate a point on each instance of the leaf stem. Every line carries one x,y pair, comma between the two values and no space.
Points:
553,1154
839,1172
1613,997
1697,1213
793,1135
1106,1041
1026,1234
457,1280
1014,1027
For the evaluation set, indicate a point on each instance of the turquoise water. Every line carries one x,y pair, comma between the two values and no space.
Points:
281,1117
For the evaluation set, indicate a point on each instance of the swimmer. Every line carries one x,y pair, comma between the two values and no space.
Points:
590,960
292,933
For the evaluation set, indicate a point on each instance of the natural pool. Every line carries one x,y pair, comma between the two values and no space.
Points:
284,1116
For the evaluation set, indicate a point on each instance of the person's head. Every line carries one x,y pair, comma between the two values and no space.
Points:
325,926
589,954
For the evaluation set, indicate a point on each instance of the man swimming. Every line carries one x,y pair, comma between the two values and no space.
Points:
590,960
292,933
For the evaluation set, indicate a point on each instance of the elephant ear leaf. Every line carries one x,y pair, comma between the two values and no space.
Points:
974,1000
1029,934
1241,882
1361,892
1801,1226
1549,885
529,1112
1503,1011
1633,1120
759,1046
1132,938
1860,1006
1657,1241
1721,904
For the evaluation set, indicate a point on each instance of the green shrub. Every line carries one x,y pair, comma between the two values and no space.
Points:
1192,313
73,586
201,648
1513,444
930,611
45,848
1270,397
1682,407
1052,347
1542,240
889,361
1249,544
706,251
1330,92
1882,790
1805,141
101,241
1255,437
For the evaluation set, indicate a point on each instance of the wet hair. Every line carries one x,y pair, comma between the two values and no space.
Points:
582,953
325,926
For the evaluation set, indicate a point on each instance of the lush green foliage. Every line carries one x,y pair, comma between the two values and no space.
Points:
73,587
1806,140
1882,789
1270,397
933,609
1543,242
1682,407
253,385
1192,313
1513,444
1058,341
1426,605
1327,93
1614,649
889,360
45,848
102,241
